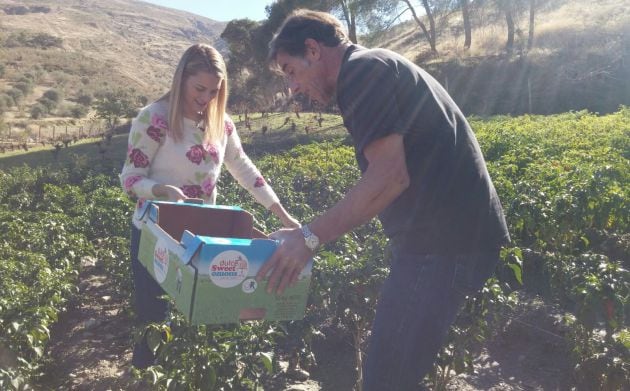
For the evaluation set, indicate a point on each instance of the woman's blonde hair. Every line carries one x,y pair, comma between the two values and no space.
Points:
198,58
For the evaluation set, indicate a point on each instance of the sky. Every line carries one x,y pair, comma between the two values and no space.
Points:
220,10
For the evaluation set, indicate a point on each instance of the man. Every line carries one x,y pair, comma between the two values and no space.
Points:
423,174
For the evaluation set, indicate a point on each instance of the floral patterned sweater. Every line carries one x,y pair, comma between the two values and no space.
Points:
190,164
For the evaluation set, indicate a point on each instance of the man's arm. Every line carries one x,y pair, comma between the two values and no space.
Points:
384,180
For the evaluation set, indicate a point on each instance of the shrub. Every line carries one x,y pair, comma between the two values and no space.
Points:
78,111
40,9
38,40
53,95
26,88
38,111
49,104
84,99
6,100
16,95
16,10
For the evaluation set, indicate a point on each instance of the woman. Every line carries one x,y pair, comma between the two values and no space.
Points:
177,146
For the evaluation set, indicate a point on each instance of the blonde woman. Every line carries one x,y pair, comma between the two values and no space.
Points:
177,146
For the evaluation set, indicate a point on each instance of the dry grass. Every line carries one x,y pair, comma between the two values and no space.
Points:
135,45
106,45
560,25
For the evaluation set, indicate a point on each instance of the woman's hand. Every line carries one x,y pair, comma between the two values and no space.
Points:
290,222
171,193
286,219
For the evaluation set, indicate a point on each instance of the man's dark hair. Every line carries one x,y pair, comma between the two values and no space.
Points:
302,24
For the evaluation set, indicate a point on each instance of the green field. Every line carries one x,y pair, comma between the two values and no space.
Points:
563,181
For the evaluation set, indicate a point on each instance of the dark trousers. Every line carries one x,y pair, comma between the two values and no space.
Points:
148,306
418,303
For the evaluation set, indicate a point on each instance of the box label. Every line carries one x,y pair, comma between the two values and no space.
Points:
229,268
250,285
160,260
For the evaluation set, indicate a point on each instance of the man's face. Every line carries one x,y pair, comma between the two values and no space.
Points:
306,75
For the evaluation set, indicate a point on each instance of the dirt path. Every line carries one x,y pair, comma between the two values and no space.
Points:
90,347
91,350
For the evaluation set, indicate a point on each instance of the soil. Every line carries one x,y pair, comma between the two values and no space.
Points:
90,349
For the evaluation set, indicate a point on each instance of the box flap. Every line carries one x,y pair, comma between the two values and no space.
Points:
143,208
154,212
256,234
204,220
191,244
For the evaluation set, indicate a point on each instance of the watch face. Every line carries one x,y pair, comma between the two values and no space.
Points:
312,242
310,239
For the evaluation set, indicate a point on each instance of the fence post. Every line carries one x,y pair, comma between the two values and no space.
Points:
53,137
39,134
529,94
66,130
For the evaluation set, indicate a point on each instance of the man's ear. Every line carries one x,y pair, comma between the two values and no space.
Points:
312,49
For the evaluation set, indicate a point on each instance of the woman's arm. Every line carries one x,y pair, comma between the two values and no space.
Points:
146,134
287,220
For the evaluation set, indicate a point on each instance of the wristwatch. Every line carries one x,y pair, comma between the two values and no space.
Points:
310,239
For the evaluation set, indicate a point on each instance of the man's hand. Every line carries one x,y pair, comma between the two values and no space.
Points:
287,262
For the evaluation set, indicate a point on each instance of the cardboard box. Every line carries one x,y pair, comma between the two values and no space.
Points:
206,258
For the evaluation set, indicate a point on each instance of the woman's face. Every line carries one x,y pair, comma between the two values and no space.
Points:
199,90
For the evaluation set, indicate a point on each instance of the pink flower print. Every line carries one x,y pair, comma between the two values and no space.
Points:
159,122
129,148
138,158
140,203
196,154
229,128
208,186
260,182
192,191
130,181
212,150
154,133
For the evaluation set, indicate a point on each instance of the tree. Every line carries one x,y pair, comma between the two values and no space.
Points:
507,8
357,13
250,77
429,34
78,111
349,12
84,99
466,20
532,12
113,105
53,95
16,95
38,111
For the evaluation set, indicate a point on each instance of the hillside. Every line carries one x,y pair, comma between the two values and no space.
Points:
580,58
83,47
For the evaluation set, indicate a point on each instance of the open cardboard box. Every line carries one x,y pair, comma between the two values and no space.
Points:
206,258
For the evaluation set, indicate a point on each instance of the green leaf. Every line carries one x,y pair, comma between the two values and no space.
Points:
518,272
624,337
266,359
39,351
